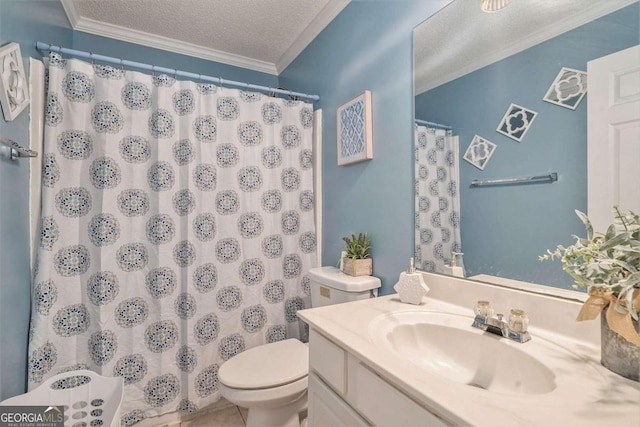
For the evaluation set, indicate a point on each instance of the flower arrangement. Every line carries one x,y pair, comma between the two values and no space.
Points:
609,265
358,247
357,261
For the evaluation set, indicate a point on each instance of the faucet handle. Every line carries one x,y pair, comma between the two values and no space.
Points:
518,320
483,308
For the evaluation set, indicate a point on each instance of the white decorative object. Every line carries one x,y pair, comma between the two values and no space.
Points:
568,88
479,152
355,135
13,82
516,122
453,269
491,6
411,286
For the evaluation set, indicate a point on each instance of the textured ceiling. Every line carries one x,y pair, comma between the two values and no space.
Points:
263,32
461,38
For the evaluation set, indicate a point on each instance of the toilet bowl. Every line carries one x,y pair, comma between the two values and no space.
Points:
271,380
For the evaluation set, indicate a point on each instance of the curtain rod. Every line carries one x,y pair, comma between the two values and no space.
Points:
437,125
177,73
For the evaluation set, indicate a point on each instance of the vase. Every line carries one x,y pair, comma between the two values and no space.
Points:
617,354
357,267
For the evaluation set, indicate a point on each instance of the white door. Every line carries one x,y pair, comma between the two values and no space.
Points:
317,180
613,135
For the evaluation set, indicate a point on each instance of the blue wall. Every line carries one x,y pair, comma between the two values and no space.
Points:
504,229
26,22
21,23
367,47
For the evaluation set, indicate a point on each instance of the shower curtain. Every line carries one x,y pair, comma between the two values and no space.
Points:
177,230
437,200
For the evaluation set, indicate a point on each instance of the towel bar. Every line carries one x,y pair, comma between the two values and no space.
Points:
12,150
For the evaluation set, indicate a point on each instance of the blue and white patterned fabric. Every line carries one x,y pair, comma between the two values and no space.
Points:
437,199
177,231
352,129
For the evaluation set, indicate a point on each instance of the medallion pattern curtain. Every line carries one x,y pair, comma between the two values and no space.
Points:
437,200
177,231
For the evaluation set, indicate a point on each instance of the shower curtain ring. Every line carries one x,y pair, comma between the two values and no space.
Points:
121,65
153,70
93,61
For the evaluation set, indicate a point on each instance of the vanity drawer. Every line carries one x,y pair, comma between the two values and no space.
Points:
327,409
381,403
328,360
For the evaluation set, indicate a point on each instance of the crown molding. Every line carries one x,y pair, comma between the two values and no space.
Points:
326,15
597,10
117,32
72,13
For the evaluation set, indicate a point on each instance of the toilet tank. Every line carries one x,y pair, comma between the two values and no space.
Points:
331,286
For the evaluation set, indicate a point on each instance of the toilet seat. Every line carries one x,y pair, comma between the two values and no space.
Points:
266,366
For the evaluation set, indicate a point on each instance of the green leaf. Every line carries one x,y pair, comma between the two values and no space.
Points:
615,241
358,247
611,231
609,261
625,265
587,224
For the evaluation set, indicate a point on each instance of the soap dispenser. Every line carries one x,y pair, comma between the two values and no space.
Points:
411,286
454,269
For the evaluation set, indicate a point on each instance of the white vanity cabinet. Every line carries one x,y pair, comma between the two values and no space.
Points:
344,391
357,380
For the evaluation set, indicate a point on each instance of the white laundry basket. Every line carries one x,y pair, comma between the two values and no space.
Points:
88,399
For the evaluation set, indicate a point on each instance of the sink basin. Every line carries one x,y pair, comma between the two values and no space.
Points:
446,345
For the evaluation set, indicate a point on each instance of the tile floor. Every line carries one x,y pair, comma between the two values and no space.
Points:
231,416
223,414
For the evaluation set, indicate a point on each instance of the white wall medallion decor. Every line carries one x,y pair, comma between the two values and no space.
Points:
568,88
355,135
13,82
479,152
516,122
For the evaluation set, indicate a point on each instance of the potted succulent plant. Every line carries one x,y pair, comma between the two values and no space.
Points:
609,265
357,261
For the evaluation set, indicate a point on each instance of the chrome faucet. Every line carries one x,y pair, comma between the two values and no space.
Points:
496,325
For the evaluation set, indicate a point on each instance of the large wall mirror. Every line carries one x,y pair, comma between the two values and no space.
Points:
505,97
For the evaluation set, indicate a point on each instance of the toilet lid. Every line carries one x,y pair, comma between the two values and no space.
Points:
266,366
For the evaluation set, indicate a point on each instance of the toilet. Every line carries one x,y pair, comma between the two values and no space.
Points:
271,380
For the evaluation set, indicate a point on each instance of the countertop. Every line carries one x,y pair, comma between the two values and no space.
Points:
586,394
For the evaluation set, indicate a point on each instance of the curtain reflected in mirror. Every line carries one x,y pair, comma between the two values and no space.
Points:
437,200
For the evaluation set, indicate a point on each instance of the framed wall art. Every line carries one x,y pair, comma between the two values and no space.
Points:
479,152
516,122
14,86
355,135
568,88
